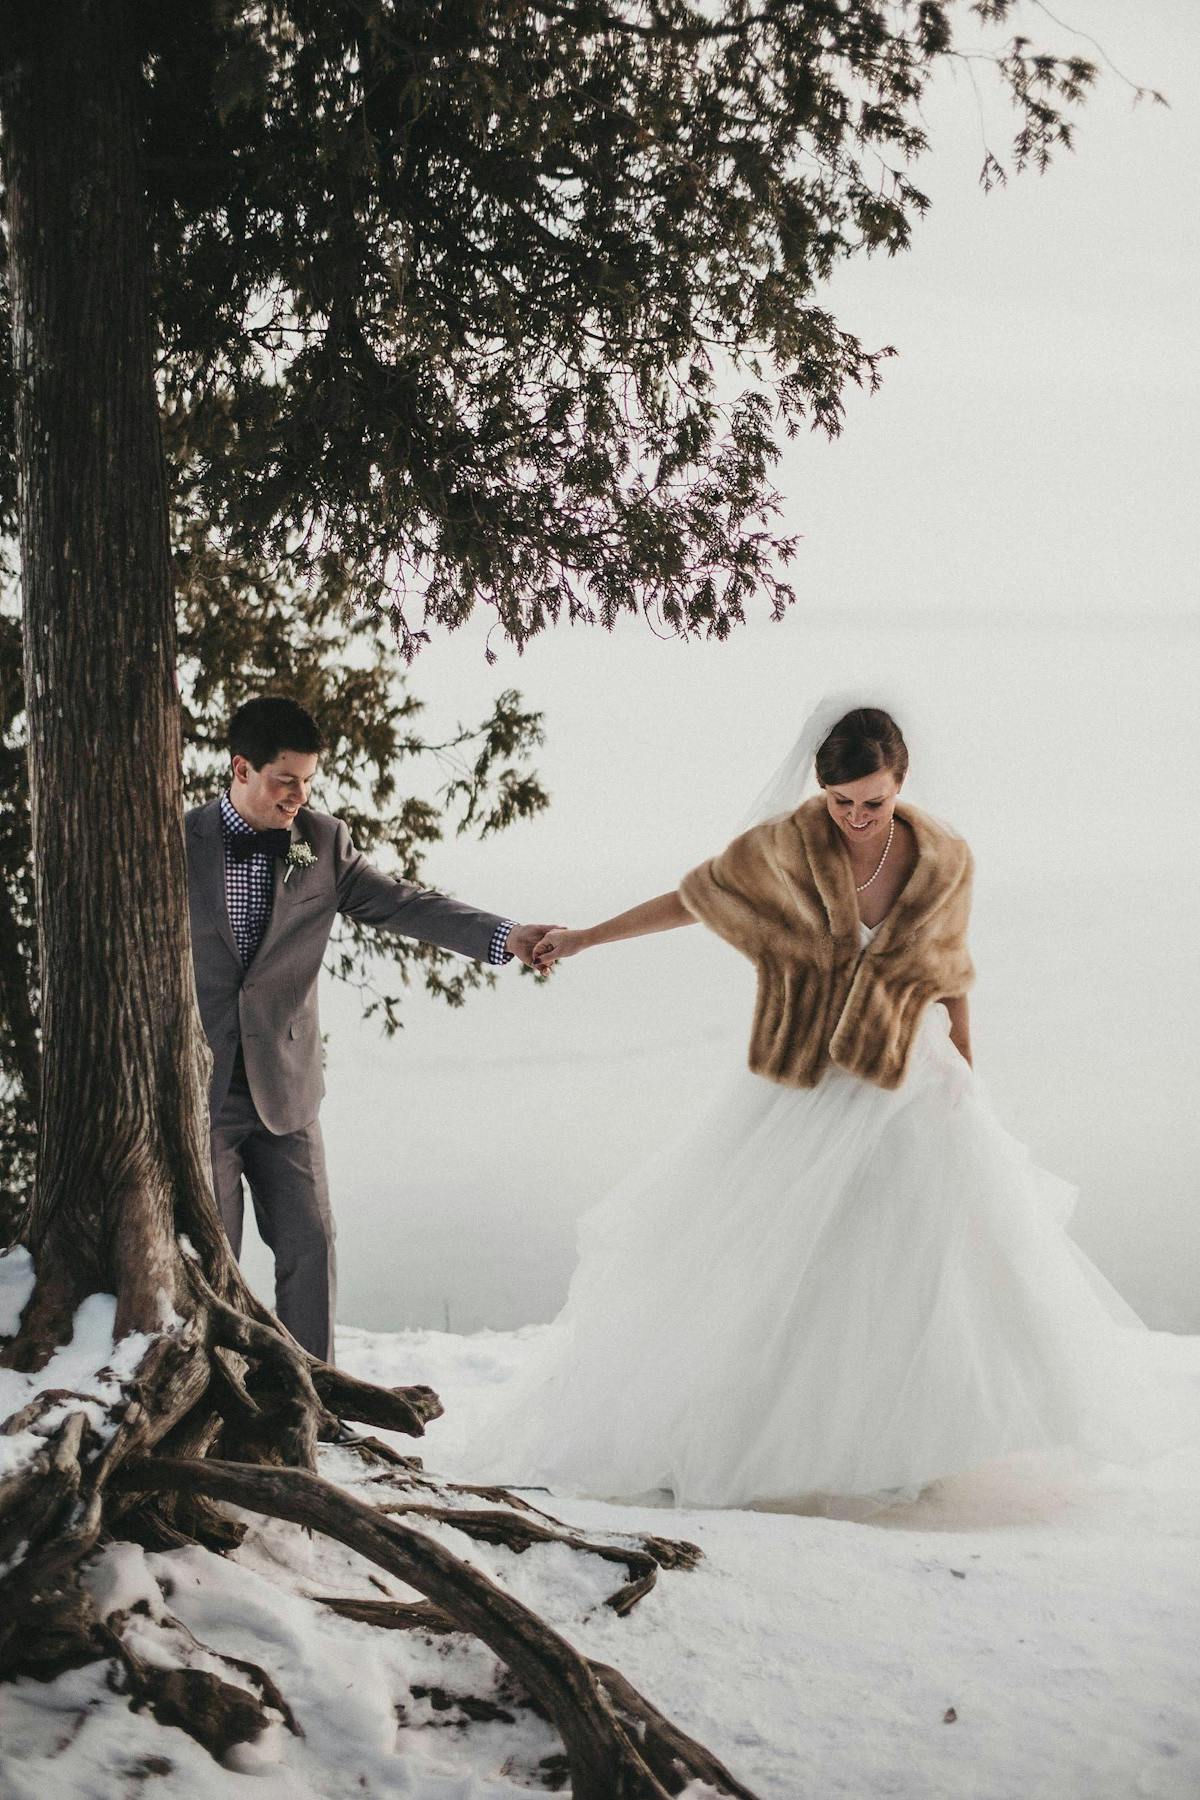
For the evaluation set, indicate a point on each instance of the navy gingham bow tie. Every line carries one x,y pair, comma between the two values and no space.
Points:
246,844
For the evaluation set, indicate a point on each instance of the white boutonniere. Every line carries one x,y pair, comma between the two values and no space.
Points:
300,856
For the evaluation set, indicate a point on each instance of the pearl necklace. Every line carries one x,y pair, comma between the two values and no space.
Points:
866,884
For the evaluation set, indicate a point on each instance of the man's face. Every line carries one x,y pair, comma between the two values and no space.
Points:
269,798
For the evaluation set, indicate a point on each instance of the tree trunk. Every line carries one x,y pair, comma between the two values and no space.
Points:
123,1130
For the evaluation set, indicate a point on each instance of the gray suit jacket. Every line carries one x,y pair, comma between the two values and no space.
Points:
272,1004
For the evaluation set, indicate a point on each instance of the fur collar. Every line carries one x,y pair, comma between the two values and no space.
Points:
942,858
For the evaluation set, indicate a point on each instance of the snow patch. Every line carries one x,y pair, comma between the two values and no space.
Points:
16,1285
259,1755
90,1372
118,1580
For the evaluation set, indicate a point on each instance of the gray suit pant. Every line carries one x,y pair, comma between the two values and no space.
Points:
290,1191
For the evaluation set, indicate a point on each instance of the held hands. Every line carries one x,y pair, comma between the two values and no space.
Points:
525,940
539,947
555,944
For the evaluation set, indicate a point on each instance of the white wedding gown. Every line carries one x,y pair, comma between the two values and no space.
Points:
832,1291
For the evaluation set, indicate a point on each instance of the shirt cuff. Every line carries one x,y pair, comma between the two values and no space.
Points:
498,951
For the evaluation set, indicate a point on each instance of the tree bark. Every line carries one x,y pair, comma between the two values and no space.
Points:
123,1128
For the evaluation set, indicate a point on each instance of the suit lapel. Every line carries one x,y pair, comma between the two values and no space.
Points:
206,862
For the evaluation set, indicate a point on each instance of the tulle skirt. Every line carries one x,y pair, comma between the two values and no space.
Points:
835,1291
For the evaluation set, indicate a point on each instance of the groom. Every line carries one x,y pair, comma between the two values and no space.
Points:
266,877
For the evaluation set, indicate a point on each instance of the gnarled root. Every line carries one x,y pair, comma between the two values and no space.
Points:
218,1714
673,1756
517,1532
391,1615
513,1522
232,1379
46,1622
51,1506
404,1409
303,1397
606,1759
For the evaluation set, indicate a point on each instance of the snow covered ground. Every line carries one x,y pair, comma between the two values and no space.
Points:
1029,1632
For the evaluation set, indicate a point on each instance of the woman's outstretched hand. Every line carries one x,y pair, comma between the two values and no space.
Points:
557,943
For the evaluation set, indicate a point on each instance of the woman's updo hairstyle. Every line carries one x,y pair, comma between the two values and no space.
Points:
864,742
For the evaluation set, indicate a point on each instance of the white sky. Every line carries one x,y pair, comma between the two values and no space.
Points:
1006,535
1034,446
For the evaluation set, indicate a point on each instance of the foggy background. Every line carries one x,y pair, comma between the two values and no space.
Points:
1005,537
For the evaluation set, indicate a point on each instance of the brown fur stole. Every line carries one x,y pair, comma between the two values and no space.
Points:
783,894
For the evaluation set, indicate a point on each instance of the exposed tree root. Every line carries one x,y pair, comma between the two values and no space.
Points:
47,1623
516,1532
320,1395
154,1471
674,1757
50,1520
218,1714
404,1409
607,1760
512,1521
373,1449
670,1753
51,1507
282,1395
392,1615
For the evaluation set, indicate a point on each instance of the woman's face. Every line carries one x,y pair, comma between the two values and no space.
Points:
862,810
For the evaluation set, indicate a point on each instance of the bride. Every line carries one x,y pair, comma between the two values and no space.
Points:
848,1279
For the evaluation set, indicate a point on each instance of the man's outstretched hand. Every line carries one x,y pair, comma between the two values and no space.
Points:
524,939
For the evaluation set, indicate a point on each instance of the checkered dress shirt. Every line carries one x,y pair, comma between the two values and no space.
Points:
250,884
498,951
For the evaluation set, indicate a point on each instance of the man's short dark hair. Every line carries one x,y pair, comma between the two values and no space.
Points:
260,729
